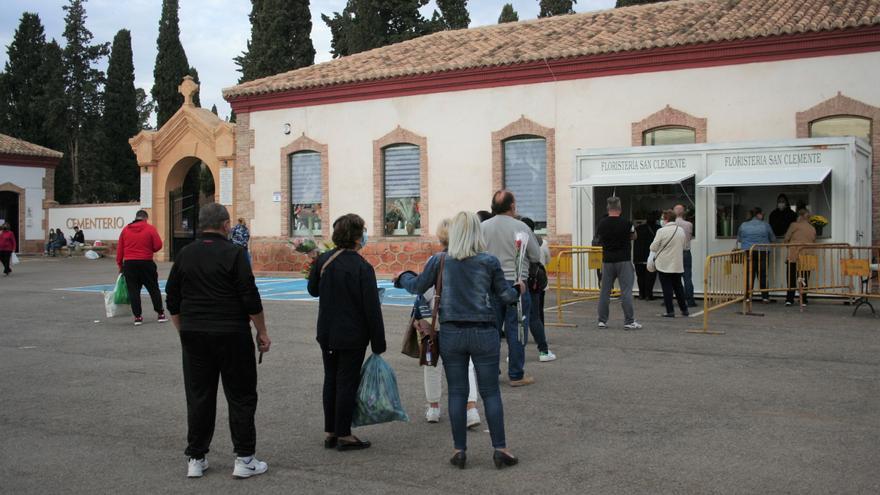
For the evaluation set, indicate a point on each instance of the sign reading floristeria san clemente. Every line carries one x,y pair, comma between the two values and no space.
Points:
772,158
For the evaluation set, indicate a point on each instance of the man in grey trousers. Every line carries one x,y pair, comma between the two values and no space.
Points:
615,234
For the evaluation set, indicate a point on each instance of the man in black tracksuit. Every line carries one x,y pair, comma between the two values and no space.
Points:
212,298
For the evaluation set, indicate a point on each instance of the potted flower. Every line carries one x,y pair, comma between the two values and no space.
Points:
408,211
818,222
391,219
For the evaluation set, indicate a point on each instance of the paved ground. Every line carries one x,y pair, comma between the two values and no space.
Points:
787,403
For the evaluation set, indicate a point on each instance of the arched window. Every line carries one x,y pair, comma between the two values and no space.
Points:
401,169
669,135
525,175
305,193
841,125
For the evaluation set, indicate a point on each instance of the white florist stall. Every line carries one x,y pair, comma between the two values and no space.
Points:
721,182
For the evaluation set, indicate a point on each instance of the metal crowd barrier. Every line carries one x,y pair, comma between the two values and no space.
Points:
574,272
724,284
838,270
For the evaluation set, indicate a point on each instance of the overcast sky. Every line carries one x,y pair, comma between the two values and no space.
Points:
212,31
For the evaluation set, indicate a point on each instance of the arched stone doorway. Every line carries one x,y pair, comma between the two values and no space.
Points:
190,186
185,164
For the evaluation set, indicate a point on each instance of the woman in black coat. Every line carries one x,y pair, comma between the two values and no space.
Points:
641,248
349,319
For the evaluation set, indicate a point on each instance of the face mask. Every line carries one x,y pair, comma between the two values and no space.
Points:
364,240
663,223
781,206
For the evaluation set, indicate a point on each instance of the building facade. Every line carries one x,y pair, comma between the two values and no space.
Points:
27,190
412,133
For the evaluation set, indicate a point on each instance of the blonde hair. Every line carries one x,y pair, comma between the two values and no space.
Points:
465,236
443,232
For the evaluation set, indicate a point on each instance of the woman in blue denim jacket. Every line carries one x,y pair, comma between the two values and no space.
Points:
471,280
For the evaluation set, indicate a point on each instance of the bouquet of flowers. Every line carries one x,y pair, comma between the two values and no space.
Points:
311,248
521,240
818,221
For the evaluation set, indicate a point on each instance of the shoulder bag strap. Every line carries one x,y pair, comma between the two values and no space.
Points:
330,260
667,242
438,290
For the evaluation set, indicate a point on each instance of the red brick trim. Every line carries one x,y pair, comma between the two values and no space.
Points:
722,53
305,143
22,208
526,127
668,117
842,105
399,136
28,160
244,174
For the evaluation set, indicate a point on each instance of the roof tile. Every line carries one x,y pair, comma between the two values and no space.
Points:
13,146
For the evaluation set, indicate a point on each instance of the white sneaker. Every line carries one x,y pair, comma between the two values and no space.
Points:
473,417
633,326
546,357
196,467
432,415
245,467
602,324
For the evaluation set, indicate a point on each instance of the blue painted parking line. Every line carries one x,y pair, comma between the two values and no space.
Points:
282,289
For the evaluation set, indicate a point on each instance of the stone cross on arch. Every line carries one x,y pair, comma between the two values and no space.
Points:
188,88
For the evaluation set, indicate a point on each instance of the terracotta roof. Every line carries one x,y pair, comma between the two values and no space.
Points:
666,24
12,146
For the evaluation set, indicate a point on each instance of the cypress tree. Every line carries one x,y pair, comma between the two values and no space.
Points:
145,107
280,39
455,14
550,8
508,14
367,24
627,3
171,64
195,75
214,109
82,82
121,120
21,87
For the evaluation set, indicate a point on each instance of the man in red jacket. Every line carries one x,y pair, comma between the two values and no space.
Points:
134,254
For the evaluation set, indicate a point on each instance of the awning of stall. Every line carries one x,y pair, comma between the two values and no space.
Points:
600,180
772,177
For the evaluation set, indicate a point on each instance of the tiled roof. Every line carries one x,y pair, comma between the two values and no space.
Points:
666,24
12,146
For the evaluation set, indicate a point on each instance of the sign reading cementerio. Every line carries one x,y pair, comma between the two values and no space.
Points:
100,222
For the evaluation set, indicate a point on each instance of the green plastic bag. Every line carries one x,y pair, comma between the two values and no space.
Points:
120,294
378,400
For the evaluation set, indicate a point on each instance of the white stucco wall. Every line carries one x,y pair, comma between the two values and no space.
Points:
31,180
741,102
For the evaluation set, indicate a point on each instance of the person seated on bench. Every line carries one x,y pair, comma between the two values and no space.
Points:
78,240
60,239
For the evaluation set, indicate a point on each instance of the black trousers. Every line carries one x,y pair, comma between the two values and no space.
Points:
671,283
342,376
792,282
208,357
142,273
645,280
759,269
6,257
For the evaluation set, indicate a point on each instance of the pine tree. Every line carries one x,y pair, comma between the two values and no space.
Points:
214,109
21,88
627,3
52,105
171,64
454,13
82,82
280,39
508,14
550,8
367,24
121,120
